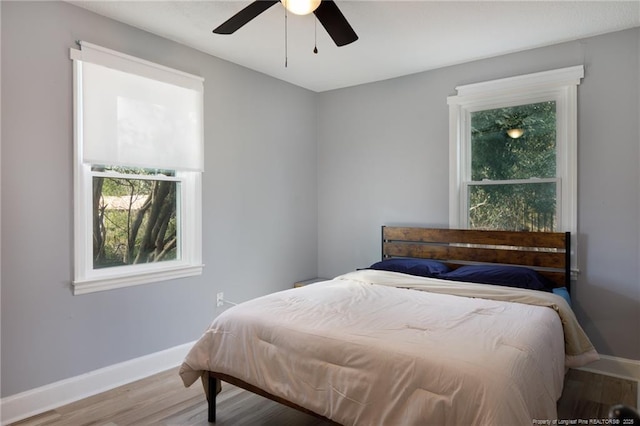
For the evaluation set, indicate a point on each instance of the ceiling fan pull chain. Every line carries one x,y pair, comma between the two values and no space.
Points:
315,35
286,54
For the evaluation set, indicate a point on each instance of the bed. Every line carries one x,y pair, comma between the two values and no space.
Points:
414,338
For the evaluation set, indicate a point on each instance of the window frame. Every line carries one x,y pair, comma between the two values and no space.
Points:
558,85
189,209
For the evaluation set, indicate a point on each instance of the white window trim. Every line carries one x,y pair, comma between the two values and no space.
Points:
560,85
89,280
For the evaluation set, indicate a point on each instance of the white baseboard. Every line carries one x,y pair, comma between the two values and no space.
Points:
617,367
614,366
35,401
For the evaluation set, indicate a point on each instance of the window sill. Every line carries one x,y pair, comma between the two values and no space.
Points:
93,285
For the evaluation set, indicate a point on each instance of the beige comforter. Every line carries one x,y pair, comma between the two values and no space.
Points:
364,349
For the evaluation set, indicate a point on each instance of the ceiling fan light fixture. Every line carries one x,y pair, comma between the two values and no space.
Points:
301,7
515,133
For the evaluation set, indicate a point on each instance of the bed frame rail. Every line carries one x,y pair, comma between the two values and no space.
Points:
214,387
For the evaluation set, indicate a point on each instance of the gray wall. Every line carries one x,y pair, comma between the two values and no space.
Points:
283,201
259,197
383,159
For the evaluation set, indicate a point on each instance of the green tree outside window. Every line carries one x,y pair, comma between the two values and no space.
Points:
134,220
504,192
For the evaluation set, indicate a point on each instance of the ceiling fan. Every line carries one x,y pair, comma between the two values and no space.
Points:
326,12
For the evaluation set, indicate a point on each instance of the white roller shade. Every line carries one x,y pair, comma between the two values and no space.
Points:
136,113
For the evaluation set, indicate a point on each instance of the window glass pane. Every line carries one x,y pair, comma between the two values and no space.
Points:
497,156
514,207
132,170
134,221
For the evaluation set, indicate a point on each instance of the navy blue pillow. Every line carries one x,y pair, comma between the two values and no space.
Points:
419,267
510,276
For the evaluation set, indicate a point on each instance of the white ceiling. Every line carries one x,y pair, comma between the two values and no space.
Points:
396,37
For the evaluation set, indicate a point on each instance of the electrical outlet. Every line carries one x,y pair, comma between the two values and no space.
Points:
220,299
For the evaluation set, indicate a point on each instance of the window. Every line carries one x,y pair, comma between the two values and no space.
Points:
138,161
513,154
513,182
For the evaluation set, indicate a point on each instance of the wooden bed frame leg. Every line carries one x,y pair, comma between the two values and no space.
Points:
214,385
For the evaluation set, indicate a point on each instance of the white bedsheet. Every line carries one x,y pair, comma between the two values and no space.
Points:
367,354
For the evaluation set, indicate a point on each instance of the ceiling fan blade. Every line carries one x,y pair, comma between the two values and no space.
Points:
335,23
234,23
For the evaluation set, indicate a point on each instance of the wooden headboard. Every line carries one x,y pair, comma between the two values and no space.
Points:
546,252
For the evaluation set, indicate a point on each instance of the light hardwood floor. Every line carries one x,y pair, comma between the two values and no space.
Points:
162,400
